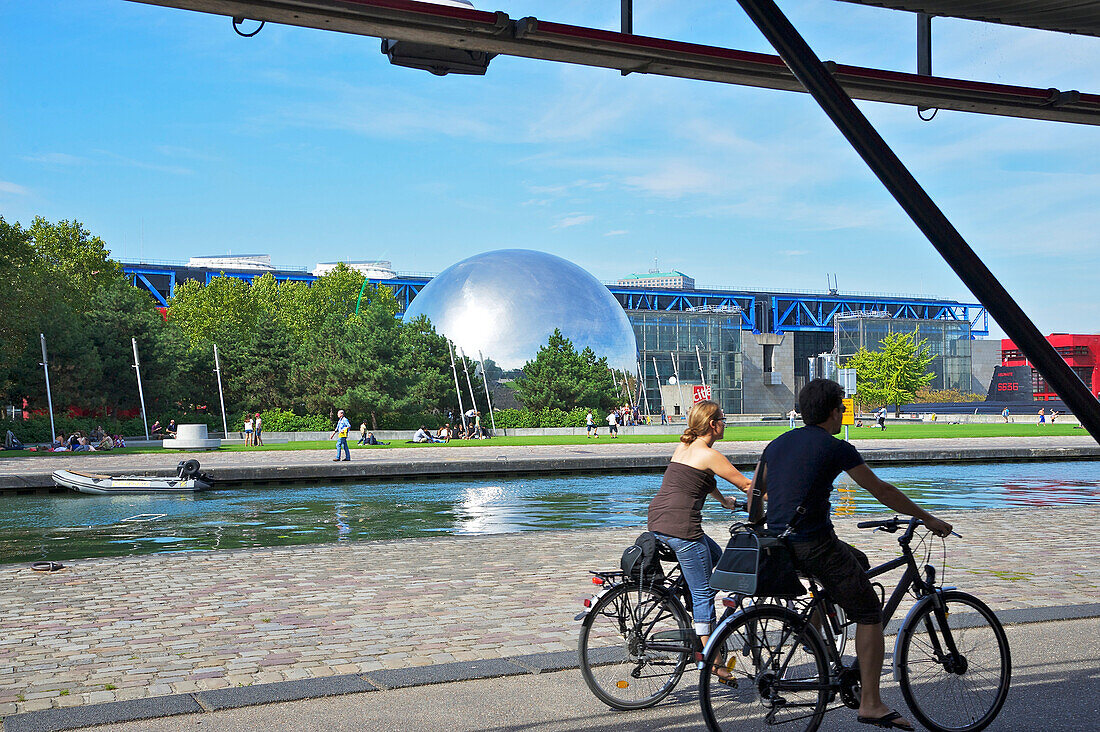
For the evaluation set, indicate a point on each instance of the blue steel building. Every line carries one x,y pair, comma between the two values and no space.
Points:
751,347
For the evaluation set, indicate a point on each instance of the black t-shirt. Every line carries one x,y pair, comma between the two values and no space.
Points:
802,464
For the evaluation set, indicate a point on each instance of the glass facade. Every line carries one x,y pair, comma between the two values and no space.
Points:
948,340
670,339
808,344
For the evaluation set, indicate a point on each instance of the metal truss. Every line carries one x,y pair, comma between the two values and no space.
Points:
139,277
495,32
816,313
249,276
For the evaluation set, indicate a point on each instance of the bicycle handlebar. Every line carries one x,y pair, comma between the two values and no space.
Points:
890,524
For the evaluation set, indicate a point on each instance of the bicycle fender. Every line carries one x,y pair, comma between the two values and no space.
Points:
917,607
593,600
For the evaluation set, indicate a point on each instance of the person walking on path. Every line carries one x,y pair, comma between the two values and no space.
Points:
343,426
589,425
791,416
257,430
675,512
880,417
248,431
362,433
613,423
796,473
1042,415
664,417
1004,414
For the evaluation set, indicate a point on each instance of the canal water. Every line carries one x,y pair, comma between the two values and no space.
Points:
69,526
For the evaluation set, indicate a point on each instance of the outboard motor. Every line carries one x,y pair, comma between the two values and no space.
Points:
187,470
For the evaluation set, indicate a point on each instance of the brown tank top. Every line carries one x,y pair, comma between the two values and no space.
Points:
677,509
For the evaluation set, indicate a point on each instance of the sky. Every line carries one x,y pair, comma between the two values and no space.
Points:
169,136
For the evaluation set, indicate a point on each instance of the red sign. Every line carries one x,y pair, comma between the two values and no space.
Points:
699,394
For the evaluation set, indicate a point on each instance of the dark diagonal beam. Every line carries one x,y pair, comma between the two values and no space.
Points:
813,75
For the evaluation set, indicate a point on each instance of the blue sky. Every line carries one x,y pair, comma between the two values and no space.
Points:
309,146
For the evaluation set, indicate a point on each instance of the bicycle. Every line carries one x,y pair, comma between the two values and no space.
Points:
954,667
637,638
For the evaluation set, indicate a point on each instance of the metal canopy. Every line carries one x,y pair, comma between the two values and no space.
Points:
474,30
1080,17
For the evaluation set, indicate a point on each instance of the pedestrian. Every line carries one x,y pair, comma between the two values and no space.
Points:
1053,414
248,430
664,417
1042,415
613,423
796,473
258,428
791,416
362,433
343,426
1004,414
880,418
589,424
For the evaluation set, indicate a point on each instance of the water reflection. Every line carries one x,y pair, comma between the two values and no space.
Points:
67,526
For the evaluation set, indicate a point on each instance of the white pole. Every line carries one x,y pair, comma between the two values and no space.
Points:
641,384
488,399
458,389
218,371
473,402
700,359
676,373
49,396
141,393
657,376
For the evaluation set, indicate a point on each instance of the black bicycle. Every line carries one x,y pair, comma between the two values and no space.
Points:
637,638
951,656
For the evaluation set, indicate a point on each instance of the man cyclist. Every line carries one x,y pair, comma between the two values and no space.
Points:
797,470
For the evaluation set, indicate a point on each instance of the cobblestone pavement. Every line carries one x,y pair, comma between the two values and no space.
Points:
745,452
114,629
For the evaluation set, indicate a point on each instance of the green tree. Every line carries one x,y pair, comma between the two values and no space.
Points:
895,373
561,378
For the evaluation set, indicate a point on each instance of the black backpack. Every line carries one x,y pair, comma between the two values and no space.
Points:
640,562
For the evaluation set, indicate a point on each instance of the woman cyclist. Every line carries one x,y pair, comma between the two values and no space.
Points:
676,512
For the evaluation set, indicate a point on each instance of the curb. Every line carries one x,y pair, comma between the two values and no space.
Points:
55,720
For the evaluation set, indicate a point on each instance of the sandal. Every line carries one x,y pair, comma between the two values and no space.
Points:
887,721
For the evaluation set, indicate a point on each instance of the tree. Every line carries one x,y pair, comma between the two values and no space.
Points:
895,373
560,377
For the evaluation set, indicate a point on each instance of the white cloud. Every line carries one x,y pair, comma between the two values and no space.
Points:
55,158
13,188
573,220
617,232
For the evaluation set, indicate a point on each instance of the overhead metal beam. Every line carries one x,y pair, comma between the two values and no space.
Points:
405,20
805,65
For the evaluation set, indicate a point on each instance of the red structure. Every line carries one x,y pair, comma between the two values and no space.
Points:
1081,352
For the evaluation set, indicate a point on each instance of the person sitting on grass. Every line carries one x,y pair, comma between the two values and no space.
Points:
156,430
370,439
422,435
170,430
444,433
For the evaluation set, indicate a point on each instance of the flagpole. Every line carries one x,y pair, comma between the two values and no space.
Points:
473,402
221,398
700,359
49,396
488,399
141,393
676,373
458,389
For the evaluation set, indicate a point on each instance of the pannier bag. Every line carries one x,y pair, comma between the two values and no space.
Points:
640,561
757,562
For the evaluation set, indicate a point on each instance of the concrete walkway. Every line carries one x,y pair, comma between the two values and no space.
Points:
1055,685
604,455
105,630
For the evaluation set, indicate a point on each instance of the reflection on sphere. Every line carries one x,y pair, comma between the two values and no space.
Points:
507,303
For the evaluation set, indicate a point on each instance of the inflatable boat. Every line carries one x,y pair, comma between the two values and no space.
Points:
188,479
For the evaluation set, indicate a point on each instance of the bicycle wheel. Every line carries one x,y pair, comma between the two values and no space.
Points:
634,645
780,674
960,692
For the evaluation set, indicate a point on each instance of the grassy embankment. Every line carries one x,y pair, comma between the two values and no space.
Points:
734,433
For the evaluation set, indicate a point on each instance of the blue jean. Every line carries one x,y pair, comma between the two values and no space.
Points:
697,560
342,444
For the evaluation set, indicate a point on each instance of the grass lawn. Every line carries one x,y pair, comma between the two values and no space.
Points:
734,433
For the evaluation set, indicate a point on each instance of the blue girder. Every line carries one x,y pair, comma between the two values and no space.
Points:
788,311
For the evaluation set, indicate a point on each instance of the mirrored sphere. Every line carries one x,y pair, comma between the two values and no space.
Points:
506,303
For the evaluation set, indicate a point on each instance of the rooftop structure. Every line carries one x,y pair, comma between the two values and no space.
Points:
674,280
233,262
380,269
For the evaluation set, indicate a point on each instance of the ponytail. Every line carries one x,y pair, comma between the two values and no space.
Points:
699,418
